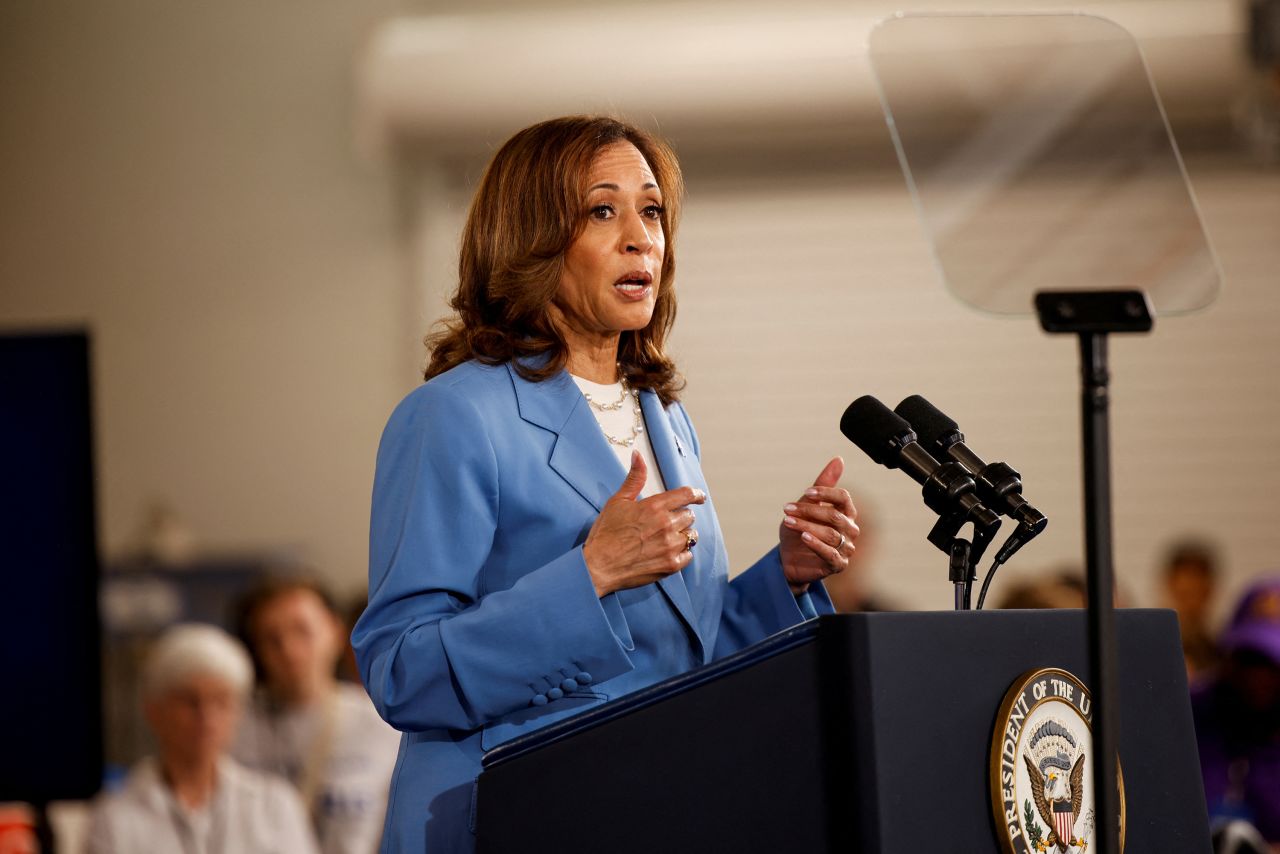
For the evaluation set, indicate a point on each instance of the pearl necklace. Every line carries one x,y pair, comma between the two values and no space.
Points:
608,407
637,427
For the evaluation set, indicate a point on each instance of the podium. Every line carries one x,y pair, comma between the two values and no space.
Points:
863,732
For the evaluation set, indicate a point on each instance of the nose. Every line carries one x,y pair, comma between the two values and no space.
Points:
635,235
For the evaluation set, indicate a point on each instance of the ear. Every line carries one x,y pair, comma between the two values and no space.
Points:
338,635
154,713
237,713
151,711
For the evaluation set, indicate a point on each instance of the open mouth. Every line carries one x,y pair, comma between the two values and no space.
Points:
635,283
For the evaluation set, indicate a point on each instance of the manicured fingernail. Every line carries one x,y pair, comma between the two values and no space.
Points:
811,491
807,536
787,520
699,494
790,508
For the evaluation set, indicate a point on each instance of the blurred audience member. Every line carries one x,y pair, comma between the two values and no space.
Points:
1190,574
1075,587
192,797
1063,589
850,590
1239,837
1237,715
322,734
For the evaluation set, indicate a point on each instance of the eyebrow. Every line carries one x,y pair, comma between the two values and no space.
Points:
648,185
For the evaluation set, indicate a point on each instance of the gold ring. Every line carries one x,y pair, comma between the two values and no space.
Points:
690,539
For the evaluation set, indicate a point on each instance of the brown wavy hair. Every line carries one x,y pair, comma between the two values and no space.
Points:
528,209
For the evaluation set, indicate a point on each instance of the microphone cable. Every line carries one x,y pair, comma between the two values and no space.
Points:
996,563
1020,537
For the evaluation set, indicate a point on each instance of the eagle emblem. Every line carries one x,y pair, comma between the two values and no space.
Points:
1041,798
1055,765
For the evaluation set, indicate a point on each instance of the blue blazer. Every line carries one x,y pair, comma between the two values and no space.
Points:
482,621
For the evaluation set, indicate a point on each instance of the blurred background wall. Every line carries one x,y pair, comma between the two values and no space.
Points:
180,179
255,209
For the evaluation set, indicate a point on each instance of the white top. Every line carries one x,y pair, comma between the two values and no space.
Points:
340,749
620,423
249,813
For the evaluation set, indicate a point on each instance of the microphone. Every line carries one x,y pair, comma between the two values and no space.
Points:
999,485
889,440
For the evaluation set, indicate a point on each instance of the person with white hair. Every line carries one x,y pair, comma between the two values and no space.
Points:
192,798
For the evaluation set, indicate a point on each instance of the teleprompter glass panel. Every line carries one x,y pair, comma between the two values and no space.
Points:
1039,158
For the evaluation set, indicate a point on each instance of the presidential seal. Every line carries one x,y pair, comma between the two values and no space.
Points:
1041,785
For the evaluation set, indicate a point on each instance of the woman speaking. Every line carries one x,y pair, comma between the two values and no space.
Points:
542,539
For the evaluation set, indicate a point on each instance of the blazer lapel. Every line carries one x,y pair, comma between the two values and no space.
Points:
689,585
581,455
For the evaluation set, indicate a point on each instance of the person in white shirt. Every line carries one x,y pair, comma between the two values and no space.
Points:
322,734
191,798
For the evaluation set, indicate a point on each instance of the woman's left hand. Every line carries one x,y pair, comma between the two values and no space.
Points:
817,532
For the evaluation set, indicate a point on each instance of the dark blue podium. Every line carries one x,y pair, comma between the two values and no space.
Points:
864,732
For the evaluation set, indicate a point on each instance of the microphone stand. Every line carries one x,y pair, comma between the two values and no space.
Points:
942,493
961,572
1092,315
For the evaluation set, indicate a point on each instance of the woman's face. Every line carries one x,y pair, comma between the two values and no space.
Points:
195,720
297,640
612,270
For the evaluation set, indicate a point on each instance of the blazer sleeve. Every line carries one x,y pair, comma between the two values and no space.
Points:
435,649
759,602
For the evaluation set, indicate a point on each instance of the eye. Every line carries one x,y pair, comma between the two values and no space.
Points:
653,212
601,212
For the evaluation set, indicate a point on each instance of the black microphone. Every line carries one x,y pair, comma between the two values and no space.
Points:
999,485
890,441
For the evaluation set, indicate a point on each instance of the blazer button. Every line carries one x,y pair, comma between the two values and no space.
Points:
583,678
569,686
539,699
555,694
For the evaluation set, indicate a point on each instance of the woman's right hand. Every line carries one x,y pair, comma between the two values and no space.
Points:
636,541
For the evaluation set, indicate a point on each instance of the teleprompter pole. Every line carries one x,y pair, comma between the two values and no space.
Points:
1099,564
1092,315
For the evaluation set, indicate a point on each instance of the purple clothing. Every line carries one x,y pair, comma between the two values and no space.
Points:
1239,759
